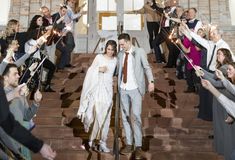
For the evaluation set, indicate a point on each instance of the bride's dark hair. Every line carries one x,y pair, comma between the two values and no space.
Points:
113,44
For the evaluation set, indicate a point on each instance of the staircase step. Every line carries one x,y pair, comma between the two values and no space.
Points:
170,144
73,143
51,132
171,129
186,155
50,103
49,112
51,95
73,85
180,133
48,121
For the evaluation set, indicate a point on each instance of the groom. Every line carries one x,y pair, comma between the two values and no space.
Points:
132,64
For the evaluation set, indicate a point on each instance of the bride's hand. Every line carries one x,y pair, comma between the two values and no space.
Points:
103,69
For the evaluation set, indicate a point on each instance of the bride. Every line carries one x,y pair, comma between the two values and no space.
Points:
97,95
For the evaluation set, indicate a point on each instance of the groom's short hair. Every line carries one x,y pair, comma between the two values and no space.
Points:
124,36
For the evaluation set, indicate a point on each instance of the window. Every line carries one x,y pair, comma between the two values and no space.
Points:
107,15
106,5
4,11
130,5
232,11
133,21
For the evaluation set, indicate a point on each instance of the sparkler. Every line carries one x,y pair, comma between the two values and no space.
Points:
175,42
33,72
66,29
198,72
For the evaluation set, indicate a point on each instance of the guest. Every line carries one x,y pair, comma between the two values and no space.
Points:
152,19
12,33
220,130
64,59
48,22
18,132
35,30
19,107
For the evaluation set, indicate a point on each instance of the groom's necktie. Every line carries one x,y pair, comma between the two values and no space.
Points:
125,68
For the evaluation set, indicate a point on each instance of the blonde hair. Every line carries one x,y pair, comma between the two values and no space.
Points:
10,29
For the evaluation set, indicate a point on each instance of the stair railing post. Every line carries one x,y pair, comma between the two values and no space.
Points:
116,124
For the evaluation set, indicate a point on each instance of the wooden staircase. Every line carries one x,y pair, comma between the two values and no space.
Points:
171,130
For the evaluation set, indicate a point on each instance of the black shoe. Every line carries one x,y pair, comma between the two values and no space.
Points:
211,136
159,62
69,66
196,107
58,69
167,66
190,90
48,89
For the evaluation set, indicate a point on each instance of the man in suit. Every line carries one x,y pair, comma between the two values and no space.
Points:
48,24
193,23
132,64
18,132
58,18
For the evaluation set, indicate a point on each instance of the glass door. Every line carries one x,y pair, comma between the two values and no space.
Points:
107,18
112,13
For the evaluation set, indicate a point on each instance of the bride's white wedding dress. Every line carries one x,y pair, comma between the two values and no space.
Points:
97,96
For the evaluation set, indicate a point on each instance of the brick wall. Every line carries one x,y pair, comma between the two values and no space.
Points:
218,13
24,10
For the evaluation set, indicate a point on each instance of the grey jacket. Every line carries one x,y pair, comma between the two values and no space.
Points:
213,79
140,66
19,107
